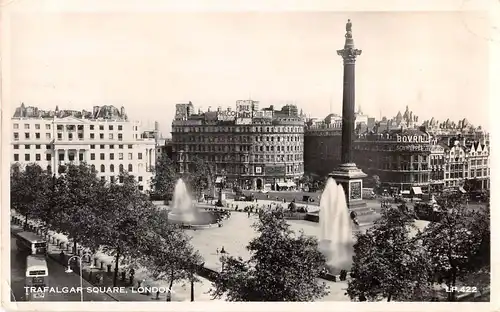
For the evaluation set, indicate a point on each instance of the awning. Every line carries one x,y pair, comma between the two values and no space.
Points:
462,190
417,190
282,184
291,184
218,180
405,192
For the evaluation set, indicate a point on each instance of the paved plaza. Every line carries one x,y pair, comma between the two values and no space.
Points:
237,231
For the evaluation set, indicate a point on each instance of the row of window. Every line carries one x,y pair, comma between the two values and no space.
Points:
280,129
102,156
69,127
71,157
48,136
92,146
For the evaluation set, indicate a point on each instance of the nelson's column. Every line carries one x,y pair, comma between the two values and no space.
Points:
348,174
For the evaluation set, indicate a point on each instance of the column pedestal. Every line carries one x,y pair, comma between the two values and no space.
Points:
351,178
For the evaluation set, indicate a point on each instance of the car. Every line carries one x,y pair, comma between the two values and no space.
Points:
263,191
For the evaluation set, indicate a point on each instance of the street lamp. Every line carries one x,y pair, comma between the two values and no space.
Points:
69,270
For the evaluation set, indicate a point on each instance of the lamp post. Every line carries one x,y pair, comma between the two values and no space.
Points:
69,270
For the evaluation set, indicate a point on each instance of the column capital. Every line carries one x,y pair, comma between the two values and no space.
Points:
349,55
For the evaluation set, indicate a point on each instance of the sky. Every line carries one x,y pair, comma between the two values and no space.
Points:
434,62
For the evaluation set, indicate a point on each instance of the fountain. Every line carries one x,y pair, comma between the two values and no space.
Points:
186,212
336,237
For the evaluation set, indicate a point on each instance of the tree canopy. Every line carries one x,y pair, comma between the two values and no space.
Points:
388,262
284,266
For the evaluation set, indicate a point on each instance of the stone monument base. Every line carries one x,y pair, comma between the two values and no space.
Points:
351,178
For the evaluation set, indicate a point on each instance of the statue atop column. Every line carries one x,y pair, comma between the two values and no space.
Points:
348,29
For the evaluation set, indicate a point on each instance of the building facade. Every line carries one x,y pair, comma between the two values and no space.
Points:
399,157
248,147
104,138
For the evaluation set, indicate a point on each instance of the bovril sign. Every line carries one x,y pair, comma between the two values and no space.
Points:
412,138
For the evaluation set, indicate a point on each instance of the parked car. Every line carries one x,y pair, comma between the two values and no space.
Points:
428,212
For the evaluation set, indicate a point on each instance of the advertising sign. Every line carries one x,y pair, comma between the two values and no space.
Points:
226,115
412,138
263,114
275,170
244,112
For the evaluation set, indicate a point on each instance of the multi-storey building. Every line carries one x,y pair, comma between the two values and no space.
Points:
104,138
247,147
399,157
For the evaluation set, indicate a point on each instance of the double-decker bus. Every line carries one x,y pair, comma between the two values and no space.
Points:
31,242
37,278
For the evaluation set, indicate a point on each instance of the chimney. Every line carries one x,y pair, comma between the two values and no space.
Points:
95,111
157,126
122,111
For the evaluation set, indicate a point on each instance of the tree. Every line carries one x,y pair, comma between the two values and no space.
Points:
388,262
200,176
163,182
283,266
77,197
454,241
29,190
167,250
123,220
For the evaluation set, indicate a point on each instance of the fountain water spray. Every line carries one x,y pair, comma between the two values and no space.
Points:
336,237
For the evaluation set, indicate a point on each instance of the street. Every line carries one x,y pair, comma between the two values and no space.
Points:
57,278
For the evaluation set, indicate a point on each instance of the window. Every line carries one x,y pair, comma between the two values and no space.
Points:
129,167
16,136
111,146
102,156
37,126
129,156
121,167
70,136
27,157
27,135
27,146
80,157
71,157
92,146
47,146
80,136
16,157
47,127
139,156
91,127
111,156
111,168
101,127
80,127
120,156
120,146
37,135
112,179
38,157
103,179
92,156
16,126
111,136
59,136
16,146
92,136
102,146
37,146
119,127
48,157
120,178
140,179
101,136
120,136
141,187
47,136
59,127
103,168
111,127
130,146
26,126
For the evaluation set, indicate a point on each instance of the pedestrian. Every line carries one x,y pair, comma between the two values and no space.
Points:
217,250
222,250
61,256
